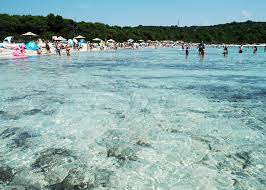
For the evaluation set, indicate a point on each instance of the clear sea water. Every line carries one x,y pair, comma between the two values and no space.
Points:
136,120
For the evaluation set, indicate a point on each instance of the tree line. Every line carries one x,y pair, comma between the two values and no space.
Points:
56,25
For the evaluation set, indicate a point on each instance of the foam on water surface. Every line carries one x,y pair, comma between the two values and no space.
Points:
147,119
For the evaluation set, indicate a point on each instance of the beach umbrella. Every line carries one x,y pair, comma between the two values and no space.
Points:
57,39
141,40
80,37
29,34
111,41
97,39
8,39
130,40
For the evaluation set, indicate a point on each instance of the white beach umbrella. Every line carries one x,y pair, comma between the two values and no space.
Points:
80,37
111,41
141,40
57,39
8,39
97,39
130,40
29,34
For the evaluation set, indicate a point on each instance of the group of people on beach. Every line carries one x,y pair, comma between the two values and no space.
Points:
58,47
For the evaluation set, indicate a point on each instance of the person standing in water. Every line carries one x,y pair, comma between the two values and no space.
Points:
187,51
68,49
39,51
265,49
58,48
241,49
201,49
47,47
225,51
255,50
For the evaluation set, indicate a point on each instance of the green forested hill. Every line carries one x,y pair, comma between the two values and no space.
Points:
245,32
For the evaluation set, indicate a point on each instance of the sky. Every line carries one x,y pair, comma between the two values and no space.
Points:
143,12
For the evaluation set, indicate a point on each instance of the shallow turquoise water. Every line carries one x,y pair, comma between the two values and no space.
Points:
146,119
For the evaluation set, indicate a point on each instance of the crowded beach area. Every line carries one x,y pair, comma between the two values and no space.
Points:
32,45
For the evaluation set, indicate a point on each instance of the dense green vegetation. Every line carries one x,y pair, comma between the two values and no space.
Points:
246,32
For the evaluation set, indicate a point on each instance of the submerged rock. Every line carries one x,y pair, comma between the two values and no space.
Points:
53,156
116,137
7,116
84,179
27,179
17,187
245,156
143,143
31,188
6,174
52,164
32,112
9,132
16,98
22,139
102,177
120,144
122,153
78,179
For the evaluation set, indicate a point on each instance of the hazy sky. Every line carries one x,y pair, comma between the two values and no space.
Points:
143,12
